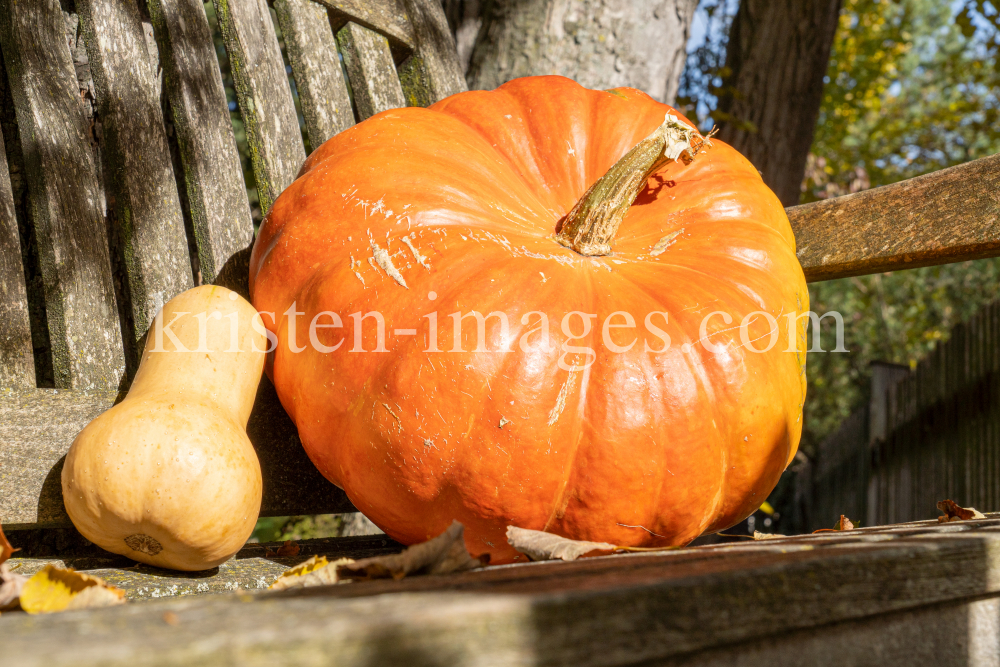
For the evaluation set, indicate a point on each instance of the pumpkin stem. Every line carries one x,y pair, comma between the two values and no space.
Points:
592,224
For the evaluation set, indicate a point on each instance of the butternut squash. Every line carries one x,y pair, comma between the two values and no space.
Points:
168,476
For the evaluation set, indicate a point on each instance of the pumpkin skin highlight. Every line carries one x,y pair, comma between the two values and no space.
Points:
639,448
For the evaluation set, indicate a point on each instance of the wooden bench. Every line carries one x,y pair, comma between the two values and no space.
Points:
913,594
396,52
168,190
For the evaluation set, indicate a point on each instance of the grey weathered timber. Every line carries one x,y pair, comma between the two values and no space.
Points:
38,426
216,192
385,16
370,69
148,225
638,609
254,567
435,53
312,50
265,98
17,360
946,216
65,197
36,429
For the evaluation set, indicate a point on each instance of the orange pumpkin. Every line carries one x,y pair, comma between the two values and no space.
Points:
418,214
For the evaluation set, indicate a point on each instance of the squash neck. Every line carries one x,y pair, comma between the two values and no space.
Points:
592,225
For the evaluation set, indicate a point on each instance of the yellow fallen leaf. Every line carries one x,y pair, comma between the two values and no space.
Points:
317,571
56,589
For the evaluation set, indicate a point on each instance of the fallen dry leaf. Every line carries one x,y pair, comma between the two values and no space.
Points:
539,545
11,583
952,512
287,550
757,535
317,571
844,524
443,554
56,589
6,550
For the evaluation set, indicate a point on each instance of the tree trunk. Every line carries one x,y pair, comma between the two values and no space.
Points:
599,43
465,17
776,60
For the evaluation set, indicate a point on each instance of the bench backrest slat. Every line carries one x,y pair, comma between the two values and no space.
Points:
312,50
158,148
213,176
263,93
385,16
435,49
149,236
66,197
17,360
371,70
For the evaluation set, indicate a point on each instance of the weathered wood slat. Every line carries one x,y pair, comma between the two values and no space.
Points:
17,360
617,610
148,222
947,216
38,426
216,192
65,197
252,568
435,60
384,16
265,98
371,71
312,50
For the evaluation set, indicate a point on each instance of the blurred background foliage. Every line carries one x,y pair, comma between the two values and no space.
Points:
913,86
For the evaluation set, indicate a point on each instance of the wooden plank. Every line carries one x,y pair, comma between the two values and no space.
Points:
387,17
216,192
435,59
312,50
951,215
265,98
148,222
617,610
17,359
252,568
370,69
65,196
38,426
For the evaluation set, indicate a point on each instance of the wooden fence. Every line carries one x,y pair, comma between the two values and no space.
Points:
923,437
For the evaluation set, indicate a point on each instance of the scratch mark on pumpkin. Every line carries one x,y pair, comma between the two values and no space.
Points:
560,405
421,260
356,272
472,421
625,525
384,260
660,247
503,421
562,259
